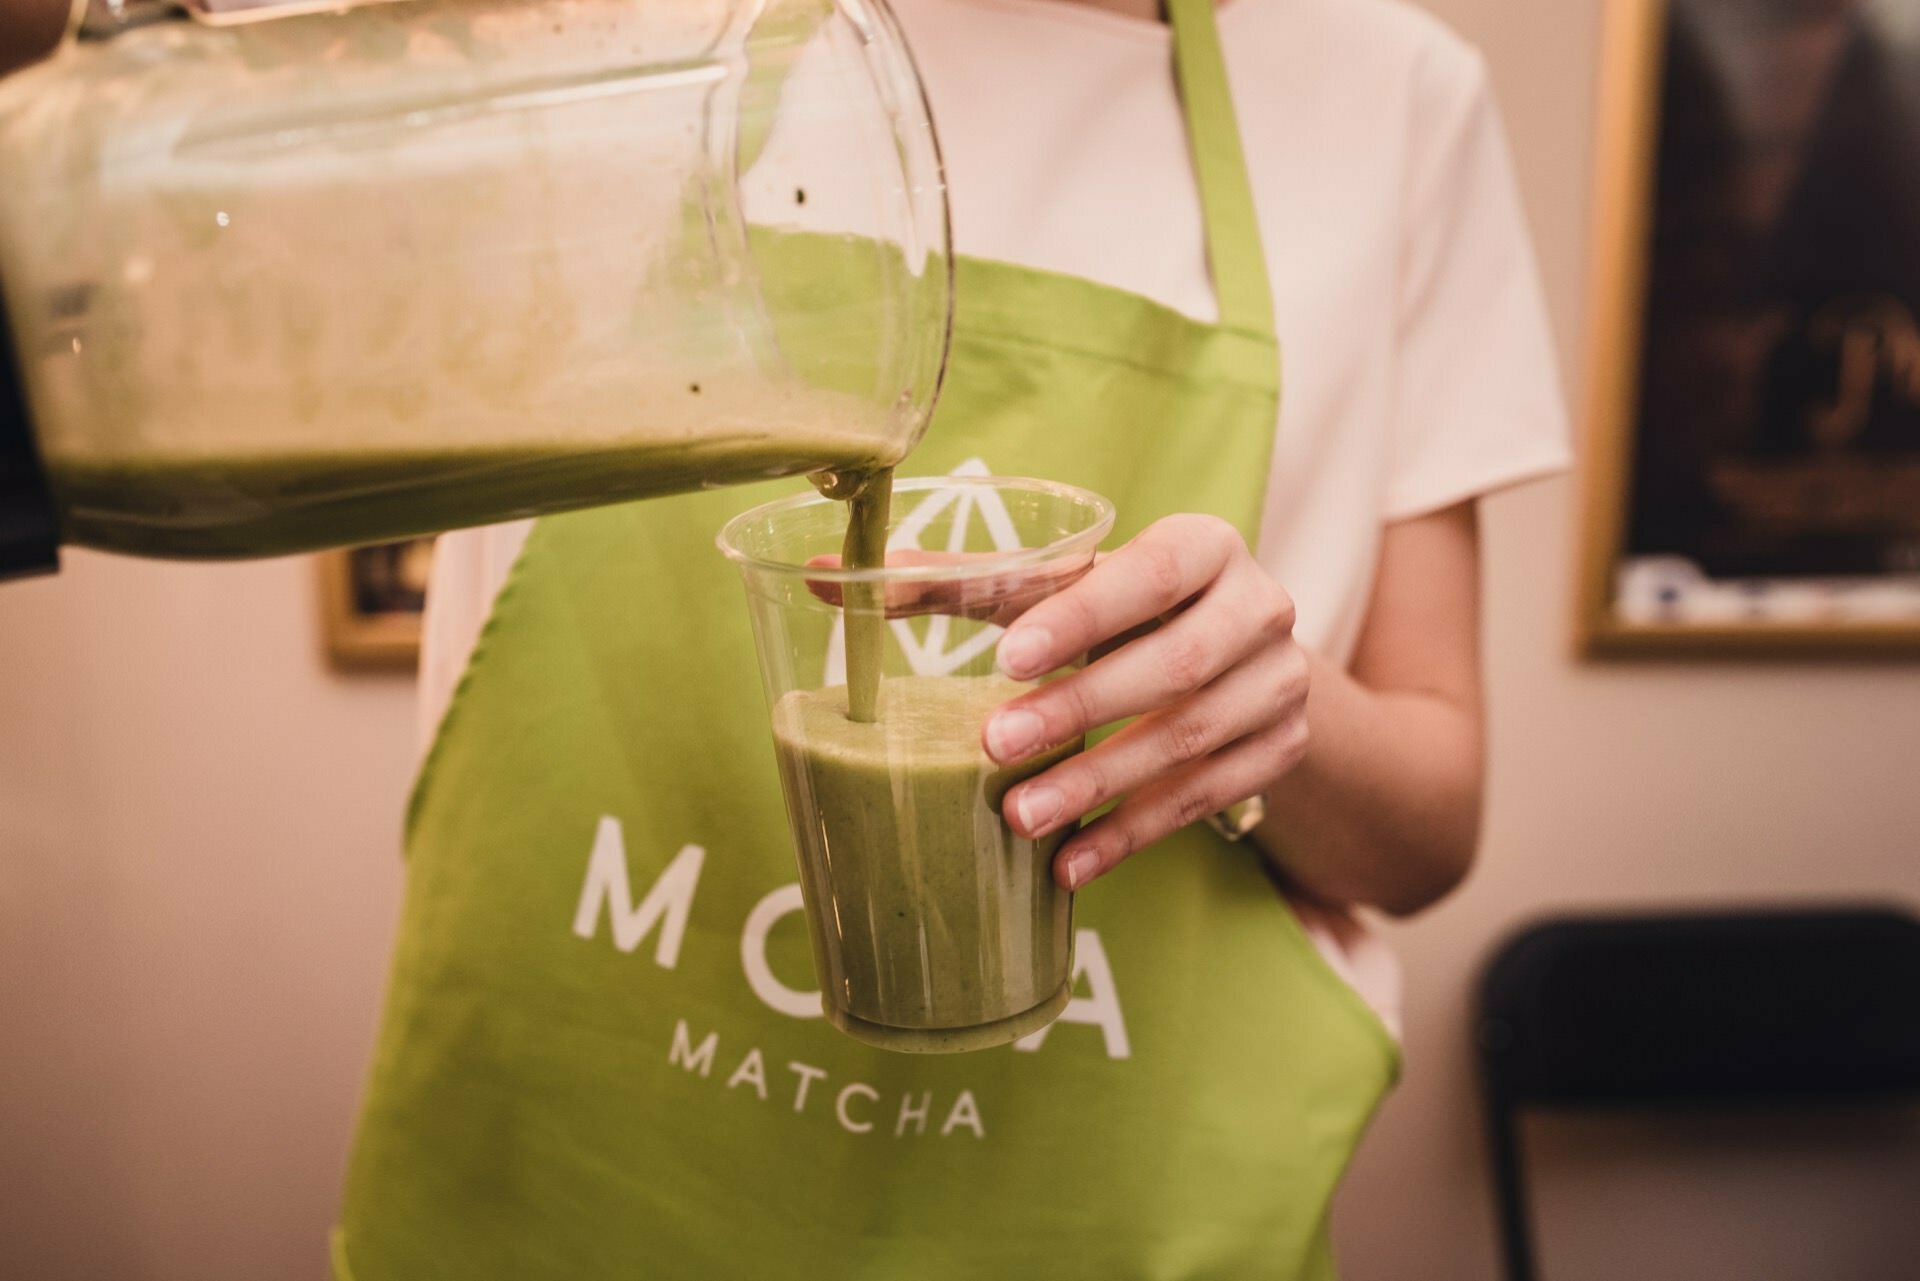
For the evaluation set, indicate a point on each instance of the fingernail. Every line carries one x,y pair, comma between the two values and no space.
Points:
1022,651
1038,806
1013,735
1081,865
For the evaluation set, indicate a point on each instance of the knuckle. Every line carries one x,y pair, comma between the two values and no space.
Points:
1190,805
1072,713
1292,668
1182,660
1298,689
1280,677
1223,535
1073,619
1281,612
1291,744
1161,568
1268,606
1263,614
1209,530
1189,736
1086,783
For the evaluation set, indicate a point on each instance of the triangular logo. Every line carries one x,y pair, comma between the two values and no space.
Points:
925,641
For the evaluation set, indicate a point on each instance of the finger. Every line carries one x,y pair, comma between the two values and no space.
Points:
1240,613
1168,563
1252,697
993,598
1186,796
900,595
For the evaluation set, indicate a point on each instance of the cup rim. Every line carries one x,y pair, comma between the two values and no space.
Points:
986,563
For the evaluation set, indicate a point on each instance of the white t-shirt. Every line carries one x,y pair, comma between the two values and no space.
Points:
1418,366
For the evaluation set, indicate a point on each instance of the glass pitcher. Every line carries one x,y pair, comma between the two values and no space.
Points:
280,278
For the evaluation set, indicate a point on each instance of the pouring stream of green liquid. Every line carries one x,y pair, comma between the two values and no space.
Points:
864,603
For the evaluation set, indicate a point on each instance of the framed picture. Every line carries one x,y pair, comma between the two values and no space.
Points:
1754,421
371,599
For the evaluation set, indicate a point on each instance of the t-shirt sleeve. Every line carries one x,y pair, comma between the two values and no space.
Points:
1477,401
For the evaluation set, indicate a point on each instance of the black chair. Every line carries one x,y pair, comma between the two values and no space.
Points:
1791,1008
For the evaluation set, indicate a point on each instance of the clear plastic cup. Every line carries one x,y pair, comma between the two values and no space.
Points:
935,928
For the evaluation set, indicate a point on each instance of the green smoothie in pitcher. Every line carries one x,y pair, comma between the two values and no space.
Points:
242,491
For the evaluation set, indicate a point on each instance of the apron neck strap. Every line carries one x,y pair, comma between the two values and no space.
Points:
1226,197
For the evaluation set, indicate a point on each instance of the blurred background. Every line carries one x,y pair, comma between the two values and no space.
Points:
201,875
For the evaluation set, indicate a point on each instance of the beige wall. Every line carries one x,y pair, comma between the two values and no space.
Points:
199,874
198,881
1637,785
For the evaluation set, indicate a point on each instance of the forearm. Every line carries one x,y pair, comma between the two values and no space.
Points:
1384,809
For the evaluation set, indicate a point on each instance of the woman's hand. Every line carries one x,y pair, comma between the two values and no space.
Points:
1220,689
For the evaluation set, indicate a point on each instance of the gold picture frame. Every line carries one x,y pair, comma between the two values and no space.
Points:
371,600
1634,52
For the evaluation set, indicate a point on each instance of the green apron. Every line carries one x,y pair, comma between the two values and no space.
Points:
603,1054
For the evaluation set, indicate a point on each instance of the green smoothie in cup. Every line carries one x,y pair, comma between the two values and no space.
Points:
935,928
